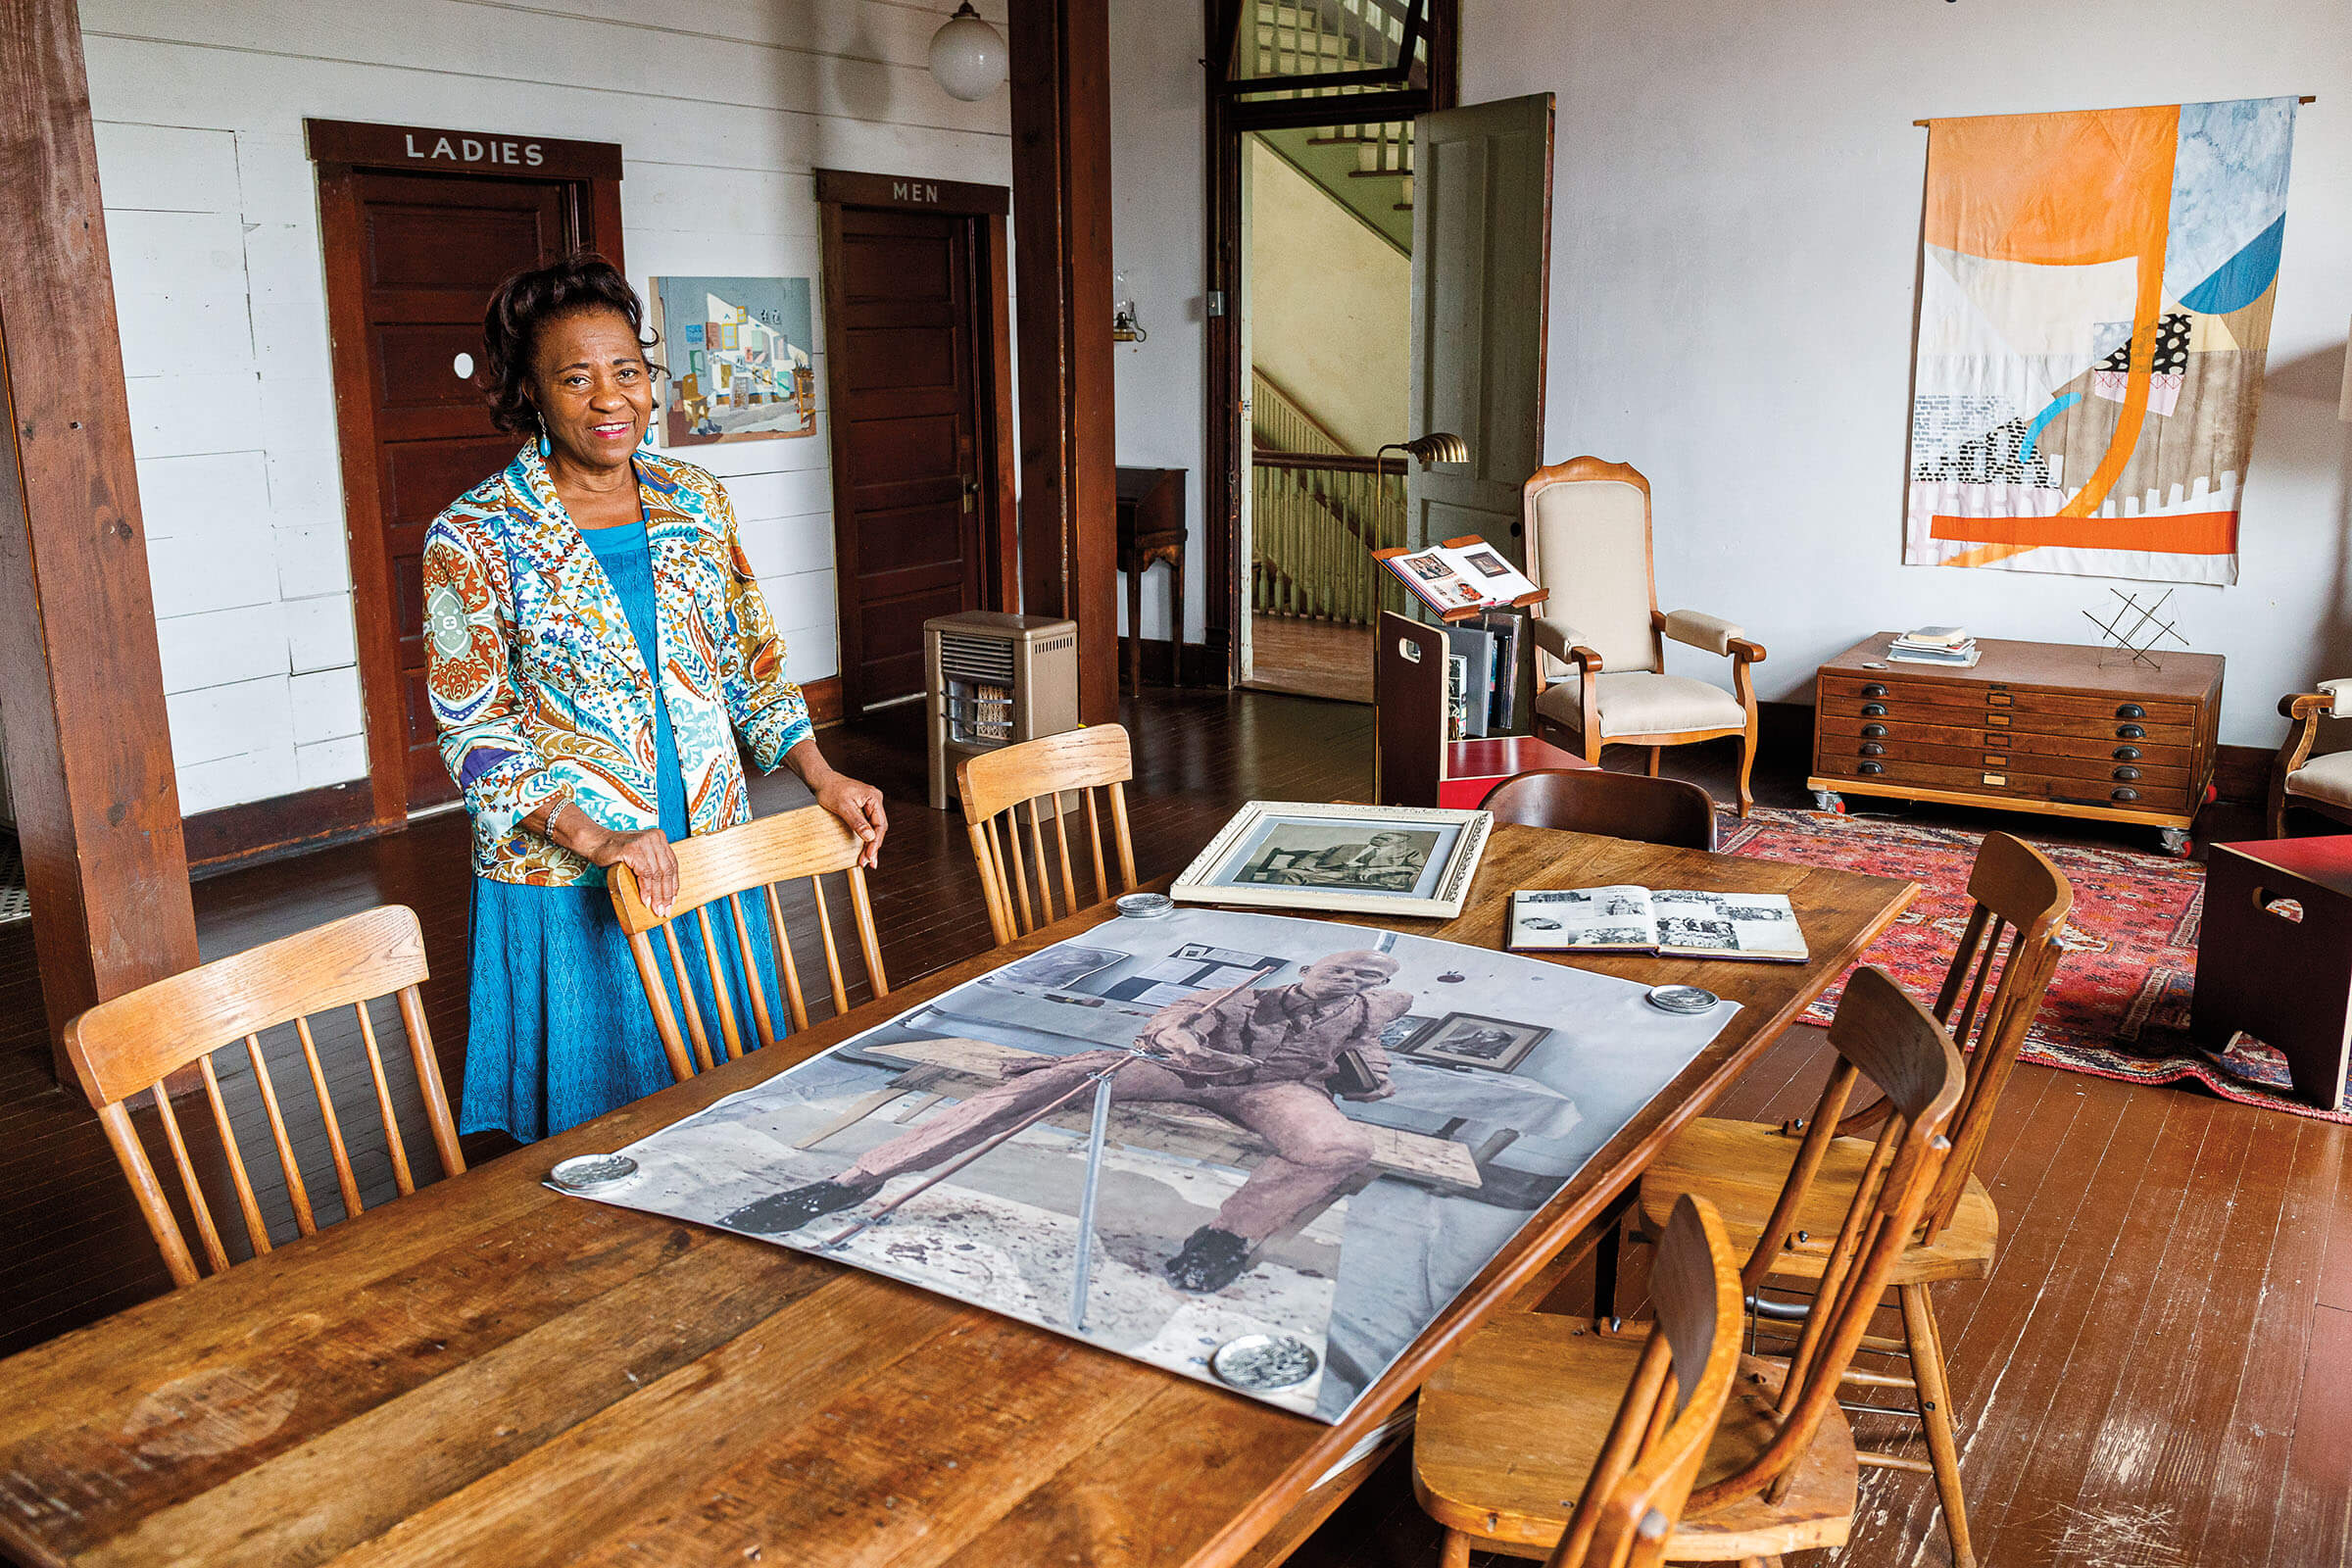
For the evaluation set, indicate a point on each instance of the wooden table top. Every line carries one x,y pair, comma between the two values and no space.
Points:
491,1372
2060,667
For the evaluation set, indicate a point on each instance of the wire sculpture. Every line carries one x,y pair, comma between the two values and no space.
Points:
2134,628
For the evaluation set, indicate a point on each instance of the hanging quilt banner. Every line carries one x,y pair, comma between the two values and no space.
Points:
2095,313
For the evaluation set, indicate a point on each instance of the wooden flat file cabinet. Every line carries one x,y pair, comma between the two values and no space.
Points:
2046,727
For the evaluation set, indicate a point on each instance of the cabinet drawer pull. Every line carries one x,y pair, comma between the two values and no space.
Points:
2130,711
2126,754
2126,773
1874,731
1873,689
2130,732
2123,795
1871,767
1873,749
1874,709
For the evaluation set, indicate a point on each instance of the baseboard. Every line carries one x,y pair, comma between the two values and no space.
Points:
1204,664
241,835
823,698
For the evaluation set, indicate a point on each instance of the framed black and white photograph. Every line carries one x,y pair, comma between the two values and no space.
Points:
1478,1041
1061,966
1389,859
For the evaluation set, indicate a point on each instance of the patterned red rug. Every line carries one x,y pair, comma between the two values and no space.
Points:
2118,1005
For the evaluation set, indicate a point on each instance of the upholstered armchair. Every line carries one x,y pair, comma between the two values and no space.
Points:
2321,784
1600,666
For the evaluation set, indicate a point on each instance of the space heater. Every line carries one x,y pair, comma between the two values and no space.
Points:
992,679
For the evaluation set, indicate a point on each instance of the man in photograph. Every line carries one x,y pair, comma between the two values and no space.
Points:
1389,862
1269,1060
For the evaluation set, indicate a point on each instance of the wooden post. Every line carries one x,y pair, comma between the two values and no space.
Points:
1061,271
82,687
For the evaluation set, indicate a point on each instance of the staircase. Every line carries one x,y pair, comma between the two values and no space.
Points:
1366,166
1317,513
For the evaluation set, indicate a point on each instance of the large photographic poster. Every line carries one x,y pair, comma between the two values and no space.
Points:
2094,314
1253,1149
740,352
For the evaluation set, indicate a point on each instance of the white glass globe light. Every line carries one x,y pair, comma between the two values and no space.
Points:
967,56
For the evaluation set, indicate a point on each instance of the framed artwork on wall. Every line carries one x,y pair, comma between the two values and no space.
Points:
740,352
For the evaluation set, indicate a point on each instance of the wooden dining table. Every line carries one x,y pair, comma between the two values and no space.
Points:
491,1372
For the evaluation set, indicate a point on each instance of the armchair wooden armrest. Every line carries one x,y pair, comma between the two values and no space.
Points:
1563,642
2332,698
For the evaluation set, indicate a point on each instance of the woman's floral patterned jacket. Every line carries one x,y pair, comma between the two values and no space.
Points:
538,686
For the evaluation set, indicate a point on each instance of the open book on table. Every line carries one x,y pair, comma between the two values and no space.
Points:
1674,923
1462,577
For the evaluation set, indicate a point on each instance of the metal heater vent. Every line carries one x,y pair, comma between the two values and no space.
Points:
984,660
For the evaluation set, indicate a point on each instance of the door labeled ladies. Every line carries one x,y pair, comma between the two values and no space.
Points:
913,317
412,258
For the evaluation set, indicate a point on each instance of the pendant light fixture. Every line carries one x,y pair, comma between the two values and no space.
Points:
967,56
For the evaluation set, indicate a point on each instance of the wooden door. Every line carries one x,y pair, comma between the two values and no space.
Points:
1482,279
903,344
422,253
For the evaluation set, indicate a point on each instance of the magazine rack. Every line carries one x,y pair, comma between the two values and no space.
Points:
1413,764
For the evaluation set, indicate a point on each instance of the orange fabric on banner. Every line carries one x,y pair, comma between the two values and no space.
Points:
2064,190
2194,533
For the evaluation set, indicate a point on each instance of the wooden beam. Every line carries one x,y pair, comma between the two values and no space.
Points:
81,688
1061,72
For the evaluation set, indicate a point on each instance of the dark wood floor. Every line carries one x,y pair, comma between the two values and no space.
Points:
2155,1373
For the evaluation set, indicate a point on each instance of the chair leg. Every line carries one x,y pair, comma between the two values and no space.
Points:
1655,752
1936,1411
1747,764
1605,1278
1456,1553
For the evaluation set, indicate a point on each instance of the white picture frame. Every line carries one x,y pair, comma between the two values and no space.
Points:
1302,855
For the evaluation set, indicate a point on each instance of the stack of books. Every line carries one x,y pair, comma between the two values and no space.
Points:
1934,645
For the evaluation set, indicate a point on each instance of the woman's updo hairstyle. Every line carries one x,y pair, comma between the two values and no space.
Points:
520,310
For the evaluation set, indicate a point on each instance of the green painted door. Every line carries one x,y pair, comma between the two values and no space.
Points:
1482,265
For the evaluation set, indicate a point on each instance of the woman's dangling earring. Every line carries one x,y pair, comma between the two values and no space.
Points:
545,450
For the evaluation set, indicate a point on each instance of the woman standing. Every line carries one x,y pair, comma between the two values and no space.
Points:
595,642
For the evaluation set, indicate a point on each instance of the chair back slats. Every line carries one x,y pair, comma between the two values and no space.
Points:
345,1181
1617,806
1021,787
1642,1476
132,1044
1882,1034
807,845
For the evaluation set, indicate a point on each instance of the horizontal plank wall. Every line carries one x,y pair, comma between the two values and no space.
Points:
723,110
89,755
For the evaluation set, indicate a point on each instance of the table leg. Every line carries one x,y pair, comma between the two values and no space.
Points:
1176,616
1135,626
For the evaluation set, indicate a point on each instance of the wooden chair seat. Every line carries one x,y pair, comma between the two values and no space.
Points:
1741,1166
1510,1429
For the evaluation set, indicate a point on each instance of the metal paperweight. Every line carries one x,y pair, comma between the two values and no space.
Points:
1261,1361
1680,999
1146,905
589,1173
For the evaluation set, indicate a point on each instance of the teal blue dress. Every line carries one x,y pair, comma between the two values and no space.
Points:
559,1030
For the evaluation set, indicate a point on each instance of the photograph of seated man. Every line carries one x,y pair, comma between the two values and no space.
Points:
1390,862
1270,1060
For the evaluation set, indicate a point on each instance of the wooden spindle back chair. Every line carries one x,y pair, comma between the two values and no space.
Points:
1642,1477
1880,1034
135,1041
996,784
724,866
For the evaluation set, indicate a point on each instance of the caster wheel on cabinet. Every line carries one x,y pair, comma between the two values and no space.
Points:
2176,841
1829,800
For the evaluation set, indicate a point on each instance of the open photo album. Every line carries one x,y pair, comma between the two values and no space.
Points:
1462,577
1671,923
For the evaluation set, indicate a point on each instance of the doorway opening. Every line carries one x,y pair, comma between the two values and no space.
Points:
1311,142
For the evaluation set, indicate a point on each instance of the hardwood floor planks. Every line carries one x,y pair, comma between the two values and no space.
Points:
2314,1496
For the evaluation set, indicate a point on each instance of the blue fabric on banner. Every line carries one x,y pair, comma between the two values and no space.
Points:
559,1031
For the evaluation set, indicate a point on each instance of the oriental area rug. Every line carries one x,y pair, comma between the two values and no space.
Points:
2117,1007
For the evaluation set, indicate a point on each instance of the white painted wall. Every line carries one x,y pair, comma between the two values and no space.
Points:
1331,306
1736,208
1158,229
723,108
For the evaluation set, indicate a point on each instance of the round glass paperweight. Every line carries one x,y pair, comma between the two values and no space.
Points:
1680,999
1259,1362
589,1173
1146,905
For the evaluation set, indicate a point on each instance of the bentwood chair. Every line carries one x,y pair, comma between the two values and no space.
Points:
2021,904
1600,666
1504,1440
2321,784
751,858
1616,805
135,1041
1041,774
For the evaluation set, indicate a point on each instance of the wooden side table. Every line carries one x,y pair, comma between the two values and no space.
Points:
1151,530
2286,981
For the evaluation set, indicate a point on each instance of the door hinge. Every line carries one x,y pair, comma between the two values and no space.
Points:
1216,302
